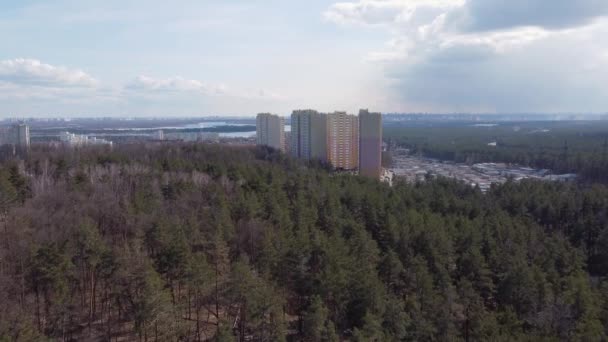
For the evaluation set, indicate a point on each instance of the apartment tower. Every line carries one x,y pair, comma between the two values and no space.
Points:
22,138
370,144
318,136
343,140
300,135
308,137
270,131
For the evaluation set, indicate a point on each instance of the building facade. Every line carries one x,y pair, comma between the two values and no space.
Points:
319,137
300,136
22,138
343,140
270,131
158,135
370,144
73,140
308,137
17,135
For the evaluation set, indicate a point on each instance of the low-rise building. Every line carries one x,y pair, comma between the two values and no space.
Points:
72,139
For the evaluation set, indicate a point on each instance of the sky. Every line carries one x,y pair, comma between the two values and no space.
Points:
63,58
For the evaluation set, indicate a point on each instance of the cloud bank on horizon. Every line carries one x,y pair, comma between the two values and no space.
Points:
239,58
490,55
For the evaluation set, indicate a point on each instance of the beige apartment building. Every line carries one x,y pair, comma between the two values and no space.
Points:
343,140
270,131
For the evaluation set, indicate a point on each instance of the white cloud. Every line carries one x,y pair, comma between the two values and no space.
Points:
490,55
21,71
196,87
175,84
470,15
509,71
30,87
375,12
263,94
500,41
488,15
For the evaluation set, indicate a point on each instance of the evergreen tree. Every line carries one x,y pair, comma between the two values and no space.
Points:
317,327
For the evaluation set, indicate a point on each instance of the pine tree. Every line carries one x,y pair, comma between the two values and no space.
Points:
371,331
317,327
150,304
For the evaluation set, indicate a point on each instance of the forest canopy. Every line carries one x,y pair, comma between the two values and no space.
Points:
561,146
194,242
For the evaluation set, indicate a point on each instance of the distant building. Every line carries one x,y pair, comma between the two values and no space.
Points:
74,140
17,135
343,140
346,141
300,134
308,137
71,138
319,137
22,135
370,144
270,131
159,135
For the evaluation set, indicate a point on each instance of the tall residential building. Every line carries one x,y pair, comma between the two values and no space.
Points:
17,135
300,134
270,131
22,138
318,136
308,137
370,144
343,140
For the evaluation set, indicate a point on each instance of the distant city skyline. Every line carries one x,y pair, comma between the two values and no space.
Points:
237,58
389,116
